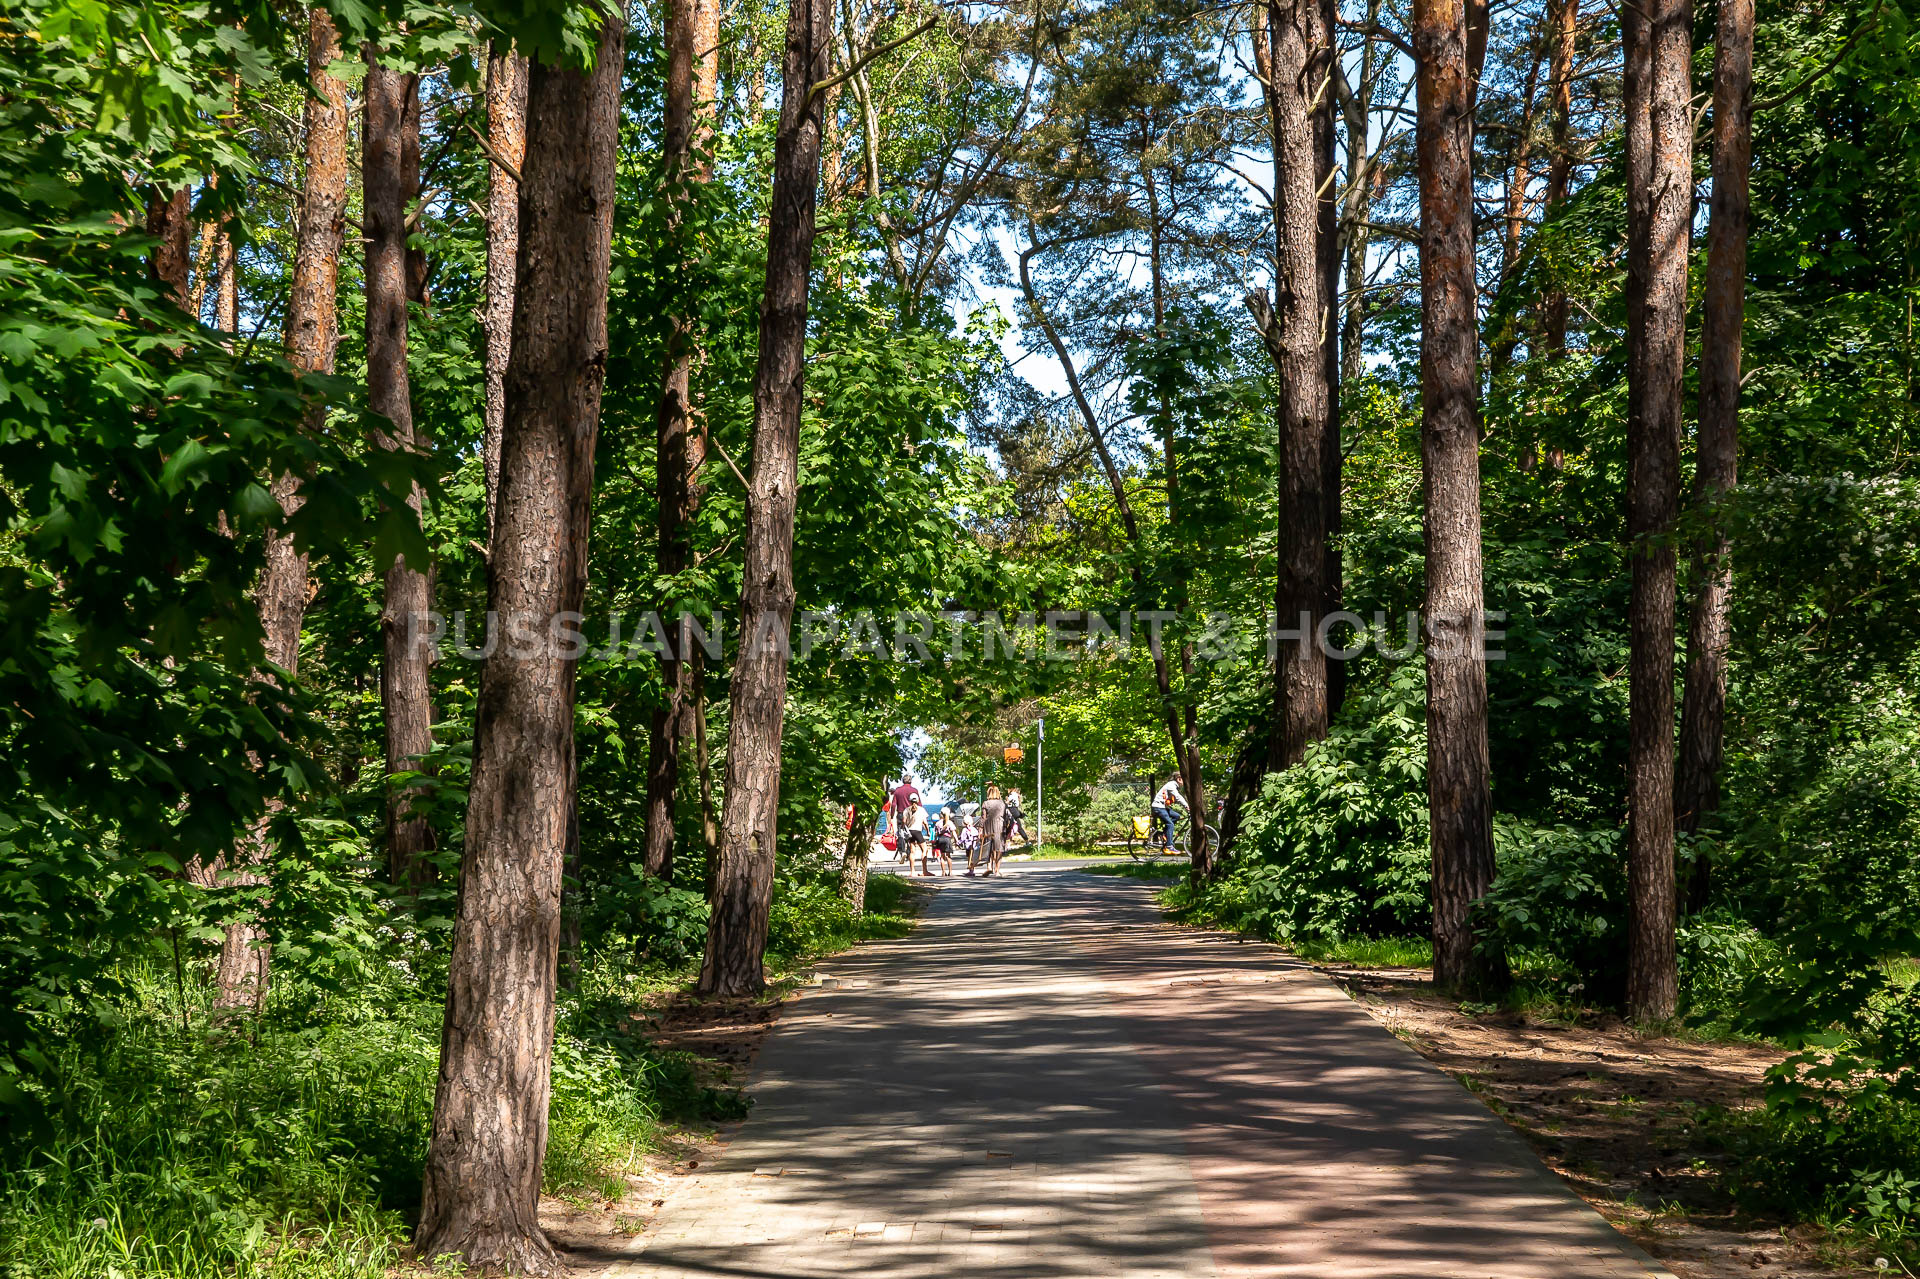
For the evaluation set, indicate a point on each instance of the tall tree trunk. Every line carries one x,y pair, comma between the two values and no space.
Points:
1458,799
226,297
313,335
743,882
507,136
1181,740
391,130
853,864
1324,104
170,220
1564,16
490,1109
1660,145
1183,723
1703,710
693,66
1293,336
1361,175
1514,211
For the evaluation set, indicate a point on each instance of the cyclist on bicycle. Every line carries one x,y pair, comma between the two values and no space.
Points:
1165,800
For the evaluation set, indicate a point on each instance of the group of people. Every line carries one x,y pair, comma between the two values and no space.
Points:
982,835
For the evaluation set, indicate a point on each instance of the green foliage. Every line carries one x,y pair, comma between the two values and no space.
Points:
1108,814
1849,1164
1561,891
1336,846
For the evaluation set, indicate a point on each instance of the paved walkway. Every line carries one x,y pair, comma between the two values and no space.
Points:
1045,1081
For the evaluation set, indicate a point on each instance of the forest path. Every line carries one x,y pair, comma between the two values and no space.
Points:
1047,1080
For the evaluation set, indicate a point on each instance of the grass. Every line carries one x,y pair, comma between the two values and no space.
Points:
1368,952
1158,872
294,1146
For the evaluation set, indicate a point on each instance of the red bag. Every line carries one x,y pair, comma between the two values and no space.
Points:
889,842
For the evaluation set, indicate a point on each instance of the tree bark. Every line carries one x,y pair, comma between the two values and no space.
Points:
507,134
1357,109
490,1108
313,336
853,865
693,66
391,124
1293,336
1660,151
1458,799
1703,709
1324,104
170,220
226,298
743,881
1565,18
1514,211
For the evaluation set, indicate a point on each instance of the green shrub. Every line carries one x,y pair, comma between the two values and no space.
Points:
1561,892
1108,814
1336,846
1853,1164
1720,958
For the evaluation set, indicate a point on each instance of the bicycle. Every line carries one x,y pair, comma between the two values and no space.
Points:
1155,844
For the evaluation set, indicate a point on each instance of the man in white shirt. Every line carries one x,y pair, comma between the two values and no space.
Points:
1165,801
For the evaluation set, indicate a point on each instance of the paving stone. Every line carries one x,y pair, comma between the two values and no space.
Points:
1044,1081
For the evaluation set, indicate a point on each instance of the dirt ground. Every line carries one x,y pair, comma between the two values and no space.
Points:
1615,1114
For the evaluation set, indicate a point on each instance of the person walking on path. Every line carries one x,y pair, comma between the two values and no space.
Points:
1014,819
914,831
969,838
943,833
903,798
1165,801
993,831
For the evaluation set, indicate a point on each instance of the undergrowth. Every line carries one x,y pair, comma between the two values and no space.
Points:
167,1143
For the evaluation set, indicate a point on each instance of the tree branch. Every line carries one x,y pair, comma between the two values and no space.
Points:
860,63
1780,99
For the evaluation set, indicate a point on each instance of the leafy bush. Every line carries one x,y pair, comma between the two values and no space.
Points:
1562,892
1853,1163
1720,957
1336,846
1108,814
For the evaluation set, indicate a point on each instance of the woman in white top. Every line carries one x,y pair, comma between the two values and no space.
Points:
914,826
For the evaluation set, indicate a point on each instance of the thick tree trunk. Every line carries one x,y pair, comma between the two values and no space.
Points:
507,135
1660,145
1703,710
170,220
853,865
693,65
1293,338
1564,17
391,131
743,881
1458,799
490,1109
313,335
226,298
